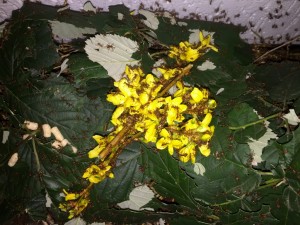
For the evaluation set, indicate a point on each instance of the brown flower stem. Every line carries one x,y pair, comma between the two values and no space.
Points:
115,141
185,71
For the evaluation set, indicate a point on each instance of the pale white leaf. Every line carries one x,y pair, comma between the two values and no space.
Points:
182,24
138,197
257,146
48,200
220,91
161,221
170,17
207,65
63,66
194,36
120,16
292,117
97,223
199,169
5,136
89,7
76,221
66,31
113,52
151,20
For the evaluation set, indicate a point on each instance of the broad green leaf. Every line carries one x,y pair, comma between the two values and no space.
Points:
228,180
240,116
170,180
36,208
262,216
115,190
281,80
84,69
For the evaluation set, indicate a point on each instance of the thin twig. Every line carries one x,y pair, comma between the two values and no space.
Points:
274,49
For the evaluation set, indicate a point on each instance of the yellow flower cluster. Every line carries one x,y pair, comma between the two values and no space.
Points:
179,122
187,52
74,204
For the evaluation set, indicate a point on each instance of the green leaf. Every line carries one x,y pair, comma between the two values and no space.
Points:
84,69
281,80
36,208
170,180
241,115
126,173
262,216
228,180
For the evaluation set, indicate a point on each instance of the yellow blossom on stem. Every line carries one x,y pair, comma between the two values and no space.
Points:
95,175
70,196
101,145
188,153
205,42
205,150
167,141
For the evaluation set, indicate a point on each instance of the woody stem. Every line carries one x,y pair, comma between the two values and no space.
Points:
185,71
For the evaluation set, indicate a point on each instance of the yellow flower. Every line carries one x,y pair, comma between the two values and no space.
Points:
188,153
205,150
197,95
144,98
166,141
169,73
101,145
151,132
175,110
70,196
115,116
116,98
191,124
212,104
205,42
182,90
204,124
95,175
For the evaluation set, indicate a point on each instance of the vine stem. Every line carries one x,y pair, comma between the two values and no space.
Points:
255,122
36,155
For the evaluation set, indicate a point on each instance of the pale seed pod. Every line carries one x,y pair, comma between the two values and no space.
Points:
46,130
64,142
56,144
26,136
13,160
58,136
31,125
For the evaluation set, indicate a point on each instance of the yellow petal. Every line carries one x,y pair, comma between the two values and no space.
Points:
212,104
95,152
206,137
144,98
164,133
207,119
204,150
196,95
161,144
